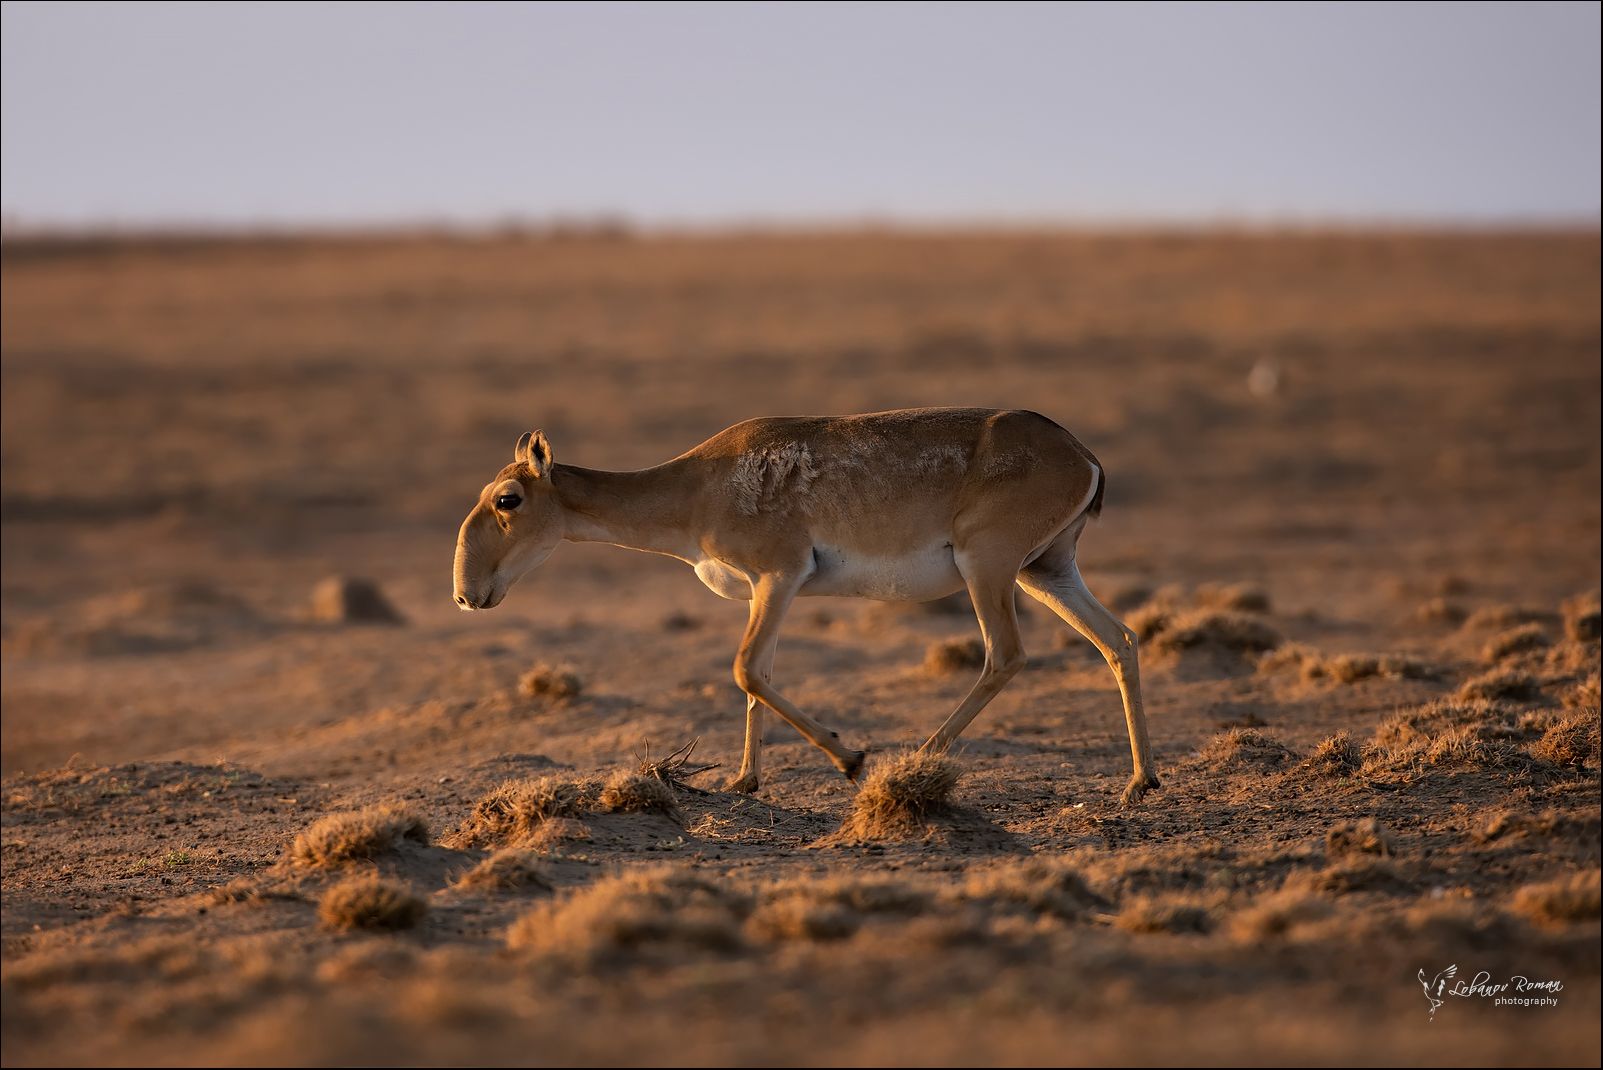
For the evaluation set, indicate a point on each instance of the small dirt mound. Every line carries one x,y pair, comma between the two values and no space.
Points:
1244,749
371,903
352,600
1344,668
1583,618
900,794
1165,914
1507,684
1035,887
341,838
1441,611
666,909
1565,901
1521,640
1236,633
508,868
551,681
948,656
1366,837
1505,616
1234,597
512,812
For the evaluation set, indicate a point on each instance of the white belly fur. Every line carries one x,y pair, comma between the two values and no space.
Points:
723,580
916,575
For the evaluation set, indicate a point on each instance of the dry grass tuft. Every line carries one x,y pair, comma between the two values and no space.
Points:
1505,616
1449,734
1571,740
550,681
1216,629
1150,620
1278,915
1335,756
1234,597
832,908
954,655
1036,887
349,600
370,903
1494,684
507,868
341,838
1442,611
1584,695
900,794
1583,618
1165,914
1521,640
511,812
667,907
628,792
1244,748
1567,900
1365,837
1344,668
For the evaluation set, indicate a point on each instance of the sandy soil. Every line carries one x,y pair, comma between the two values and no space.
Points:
196,433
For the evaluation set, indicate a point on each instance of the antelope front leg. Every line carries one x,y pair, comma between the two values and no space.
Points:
749,778
770,598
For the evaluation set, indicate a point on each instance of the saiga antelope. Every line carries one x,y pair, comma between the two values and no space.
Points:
910,505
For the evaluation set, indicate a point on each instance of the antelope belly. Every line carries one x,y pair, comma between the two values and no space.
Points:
916,575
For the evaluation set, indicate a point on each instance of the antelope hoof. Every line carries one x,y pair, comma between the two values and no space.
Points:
745,782
852,764
1137,788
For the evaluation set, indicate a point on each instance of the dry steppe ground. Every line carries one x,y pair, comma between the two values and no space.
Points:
242,822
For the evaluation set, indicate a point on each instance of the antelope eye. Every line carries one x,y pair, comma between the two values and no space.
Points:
507,502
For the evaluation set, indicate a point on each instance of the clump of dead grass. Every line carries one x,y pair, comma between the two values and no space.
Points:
670,908
511,812
1166,914
1521,640
1571,740
1448,734
1344,668
1564,901
370,902
1335,756
1585,695
1505,616
1363,837
1244,748
1501,683
508,868
1035,887
1278,915
551,682
629,792
1583,618
1233,597
832,908
1208,628
947,656
900,794
341,838
1443,611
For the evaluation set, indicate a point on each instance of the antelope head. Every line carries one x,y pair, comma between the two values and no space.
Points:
513,528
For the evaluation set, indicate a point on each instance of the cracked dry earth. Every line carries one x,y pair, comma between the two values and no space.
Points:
240,828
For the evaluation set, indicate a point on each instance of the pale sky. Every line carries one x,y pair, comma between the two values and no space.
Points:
283,114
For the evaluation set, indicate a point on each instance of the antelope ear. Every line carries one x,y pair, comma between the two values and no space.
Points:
535,451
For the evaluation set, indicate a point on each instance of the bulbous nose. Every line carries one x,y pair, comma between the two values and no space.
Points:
462,600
